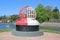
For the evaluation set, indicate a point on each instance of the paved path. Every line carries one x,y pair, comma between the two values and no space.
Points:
46,36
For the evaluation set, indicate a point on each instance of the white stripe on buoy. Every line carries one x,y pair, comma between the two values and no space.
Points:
32,21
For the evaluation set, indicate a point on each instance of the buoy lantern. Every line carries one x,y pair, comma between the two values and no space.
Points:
27,25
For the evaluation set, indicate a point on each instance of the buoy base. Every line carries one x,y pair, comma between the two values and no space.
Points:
27,28
27,34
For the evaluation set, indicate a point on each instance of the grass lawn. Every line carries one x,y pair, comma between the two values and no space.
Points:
48,30
42,28
51,31
7,30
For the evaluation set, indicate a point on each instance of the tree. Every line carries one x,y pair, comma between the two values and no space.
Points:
13,18
41,15
0,17
55,13
3,17
59,15
48,9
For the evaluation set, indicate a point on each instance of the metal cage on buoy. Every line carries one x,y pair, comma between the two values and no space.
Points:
27,12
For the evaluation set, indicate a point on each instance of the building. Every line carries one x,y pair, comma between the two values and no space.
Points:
4,21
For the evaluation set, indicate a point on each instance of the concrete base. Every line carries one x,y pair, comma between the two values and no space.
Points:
27,34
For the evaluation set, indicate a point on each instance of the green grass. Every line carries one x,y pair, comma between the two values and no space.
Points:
48,30
6,30
44,29
51,31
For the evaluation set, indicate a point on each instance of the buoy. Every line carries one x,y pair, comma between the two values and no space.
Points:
27,25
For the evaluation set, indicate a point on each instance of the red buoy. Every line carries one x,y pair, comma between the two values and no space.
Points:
27,25
27,21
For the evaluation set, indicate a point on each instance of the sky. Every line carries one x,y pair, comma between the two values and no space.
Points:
10,7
